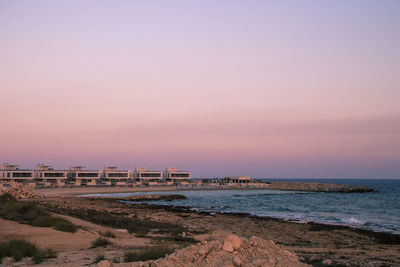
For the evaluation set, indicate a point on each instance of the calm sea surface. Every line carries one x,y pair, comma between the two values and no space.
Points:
375,211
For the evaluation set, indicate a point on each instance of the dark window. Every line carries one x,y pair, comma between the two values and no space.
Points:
53,174
146,175
120,174
179,175
22,174
88,174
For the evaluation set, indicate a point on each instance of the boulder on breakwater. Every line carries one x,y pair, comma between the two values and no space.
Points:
318,187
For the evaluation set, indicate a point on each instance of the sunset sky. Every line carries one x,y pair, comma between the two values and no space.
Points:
260,88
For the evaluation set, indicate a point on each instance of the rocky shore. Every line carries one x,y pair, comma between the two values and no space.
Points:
314,244
195,238
138,198
318,187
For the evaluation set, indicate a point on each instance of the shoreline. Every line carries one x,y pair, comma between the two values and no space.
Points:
115,190
84,192
388,237
312,242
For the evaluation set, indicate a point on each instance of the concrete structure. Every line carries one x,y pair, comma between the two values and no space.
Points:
172,175
47,176
142,175
114,177
79,176
237,180
10,173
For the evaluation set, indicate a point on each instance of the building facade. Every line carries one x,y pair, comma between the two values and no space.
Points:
79,176
114,177
47,176
144,176
172,175
10,173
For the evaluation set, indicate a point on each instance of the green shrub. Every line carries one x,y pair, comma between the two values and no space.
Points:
115,259
99,258
6,198
19,249
148,253
108,234
101,242
133,225
66,226
30,213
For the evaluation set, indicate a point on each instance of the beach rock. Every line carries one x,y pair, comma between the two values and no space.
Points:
234,240
19,191
237,261
327,262
203,251
26,261
165,197
104,263
228,246
253,252
7,261
260,263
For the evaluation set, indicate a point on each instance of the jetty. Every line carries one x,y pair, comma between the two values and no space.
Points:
318,187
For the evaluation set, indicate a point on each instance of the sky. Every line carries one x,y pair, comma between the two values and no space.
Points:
261,88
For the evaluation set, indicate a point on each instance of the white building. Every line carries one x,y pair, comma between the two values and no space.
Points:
10,173
47,176
113,176
142,175
83,177
171,174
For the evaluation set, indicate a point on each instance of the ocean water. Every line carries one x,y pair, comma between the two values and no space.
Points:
374,211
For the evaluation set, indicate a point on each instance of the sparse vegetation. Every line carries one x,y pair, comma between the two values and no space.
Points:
148,253
133,225
65,226
115,259
99,258
32,214
108,234
101,242
19,249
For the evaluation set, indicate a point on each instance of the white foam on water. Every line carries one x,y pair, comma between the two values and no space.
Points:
352,220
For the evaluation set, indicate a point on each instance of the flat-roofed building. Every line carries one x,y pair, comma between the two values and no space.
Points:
47,176
79,176
112,176
10,173
142,175
172,175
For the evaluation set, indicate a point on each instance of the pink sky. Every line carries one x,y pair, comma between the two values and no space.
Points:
277,89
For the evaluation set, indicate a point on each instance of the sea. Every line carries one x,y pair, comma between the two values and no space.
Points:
378,212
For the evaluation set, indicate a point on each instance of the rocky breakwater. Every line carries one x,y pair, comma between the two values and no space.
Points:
234,251
153,197
157,197
318,187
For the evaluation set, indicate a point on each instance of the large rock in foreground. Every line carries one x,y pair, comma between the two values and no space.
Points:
318,187
232,252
